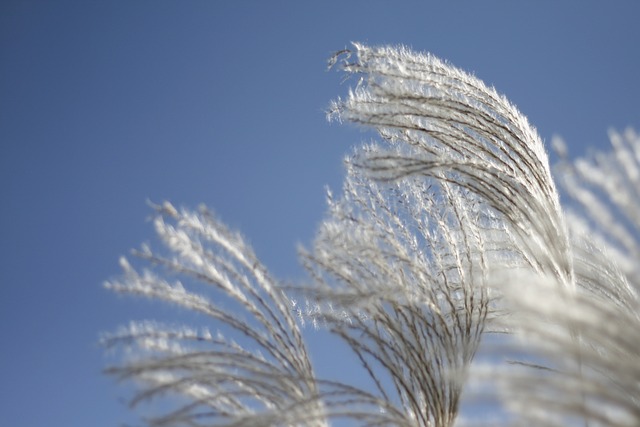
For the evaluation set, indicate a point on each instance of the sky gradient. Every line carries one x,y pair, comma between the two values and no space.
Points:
107,105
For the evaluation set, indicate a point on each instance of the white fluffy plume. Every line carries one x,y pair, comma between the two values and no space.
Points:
449,228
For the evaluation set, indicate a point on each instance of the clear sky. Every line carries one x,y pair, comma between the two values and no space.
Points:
105,105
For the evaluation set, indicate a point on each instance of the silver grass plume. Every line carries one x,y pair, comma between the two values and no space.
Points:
257,373
606,192
445,125
462,132
404,266
603,312
261,375
458,210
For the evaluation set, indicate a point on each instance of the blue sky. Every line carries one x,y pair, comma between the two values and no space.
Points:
105,105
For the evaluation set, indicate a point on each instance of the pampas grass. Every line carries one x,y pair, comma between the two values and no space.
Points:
448,229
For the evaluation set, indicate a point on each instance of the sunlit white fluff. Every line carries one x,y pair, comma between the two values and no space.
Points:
463,132
449,227
404,264
261,372
589,337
